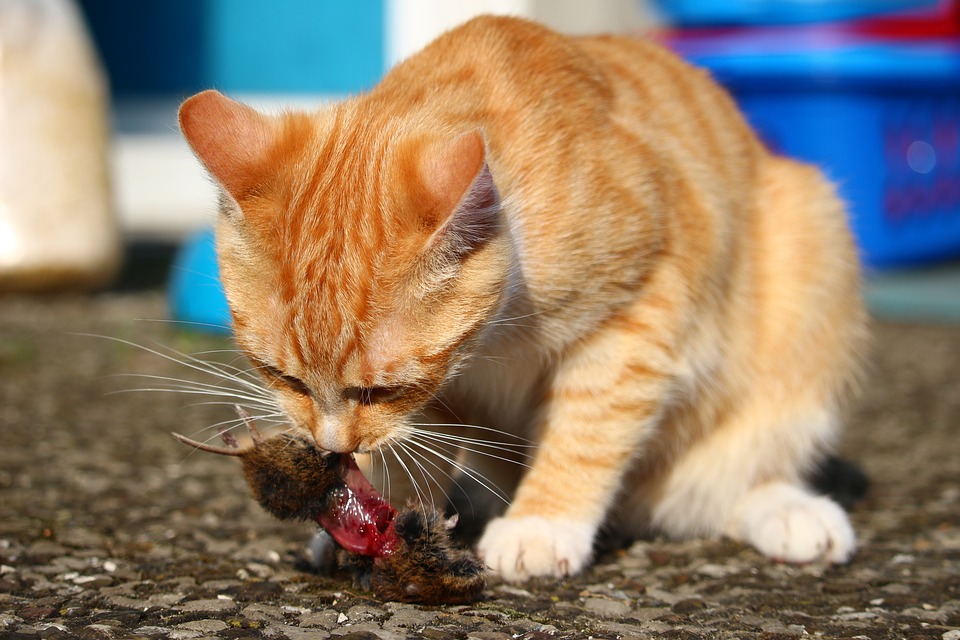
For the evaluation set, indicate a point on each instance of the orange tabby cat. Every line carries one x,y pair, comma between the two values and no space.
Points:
575,240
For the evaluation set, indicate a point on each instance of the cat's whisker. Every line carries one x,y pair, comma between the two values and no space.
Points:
201,366
421,438
235,370
428,480
274,412
499,432
188,385
413,481
237,422
188,323
495,444
196,392
483,481
386,472
481,452
446,473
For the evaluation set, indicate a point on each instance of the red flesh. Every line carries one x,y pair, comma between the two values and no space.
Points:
358,517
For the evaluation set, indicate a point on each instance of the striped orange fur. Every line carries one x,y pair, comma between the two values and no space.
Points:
575,240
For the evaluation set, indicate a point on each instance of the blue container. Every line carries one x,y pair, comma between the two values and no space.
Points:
760,12
882,119
196,294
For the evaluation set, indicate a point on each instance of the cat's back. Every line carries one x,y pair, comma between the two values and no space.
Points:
531,89
502,63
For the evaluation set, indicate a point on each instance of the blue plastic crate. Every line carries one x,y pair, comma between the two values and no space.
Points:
760,12
195,291
882,119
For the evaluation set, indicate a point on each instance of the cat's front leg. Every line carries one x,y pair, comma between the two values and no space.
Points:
603,403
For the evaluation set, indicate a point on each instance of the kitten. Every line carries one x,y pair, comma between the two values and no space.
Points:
578,241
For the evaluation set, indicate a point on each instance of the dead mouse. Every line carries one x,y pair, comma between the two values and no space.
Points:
405,556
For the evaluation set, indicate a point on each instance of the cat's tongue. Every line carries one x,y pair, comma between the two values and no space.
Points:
357,516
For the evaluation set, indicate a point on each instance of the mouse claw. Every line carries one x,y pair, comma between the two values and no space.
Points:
247,420
228,438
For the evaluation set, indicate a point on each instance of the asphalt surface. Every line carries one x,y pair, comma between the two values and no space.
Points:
111,529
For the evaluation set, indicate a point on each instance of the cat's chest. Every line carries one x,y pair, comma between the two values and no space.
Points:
499,388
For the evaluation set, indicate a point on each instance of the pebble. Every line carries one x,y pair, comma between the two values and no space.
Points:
207,606
204,626
295,633
263,613
409,617
325,619
607,607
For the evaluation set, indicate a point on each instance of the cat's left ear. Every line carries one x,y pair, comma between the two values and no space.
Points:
231,139
459,181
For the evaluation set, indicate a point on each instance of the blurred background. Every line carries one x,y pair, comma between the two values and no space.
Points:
97,189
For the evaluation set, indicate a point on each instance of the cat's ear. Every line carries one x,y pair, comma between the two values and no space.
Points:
229,138
459,182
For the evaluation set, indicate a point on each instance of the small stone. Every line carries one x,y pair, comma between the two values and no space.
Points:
688,606
360,613
714,570
410,618
296,633
360,632
9,620
34,612
207,606
263,613
342,618
204,626
953,634
606,607
513,591
437,634
97,631
326,619
152,631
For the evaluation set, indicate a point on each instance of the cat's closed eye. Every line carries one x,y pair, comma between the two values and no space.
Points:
294,384
373,395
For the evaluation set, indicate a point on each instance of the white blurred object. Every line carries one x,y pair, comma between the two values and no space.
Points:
57,227
411,24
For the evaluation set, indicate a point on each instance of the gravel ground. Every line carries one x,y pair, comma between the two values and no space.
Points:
110,529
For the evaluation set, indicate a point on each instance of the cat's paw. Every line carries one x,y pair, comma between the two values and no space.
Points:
521,548
787,523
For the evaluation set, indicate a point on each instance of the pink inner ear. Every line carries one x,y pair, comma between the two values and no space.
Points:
451,168
461,185
229,138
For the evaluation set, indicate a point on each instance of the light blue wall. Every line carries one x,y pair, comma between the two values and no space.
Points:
157,47
294,45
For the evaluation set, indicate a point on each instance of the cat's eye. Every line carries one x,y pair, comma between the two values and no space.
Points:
294,384
373,395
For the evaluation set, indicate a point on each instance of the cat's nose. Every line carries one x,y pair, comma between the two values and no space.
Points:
332,437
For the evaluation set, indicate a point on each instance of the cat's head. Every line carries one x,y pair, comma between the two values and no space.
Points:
360,257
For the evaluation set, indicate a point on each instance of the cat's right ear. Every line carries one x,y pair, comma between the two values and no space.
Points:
231,139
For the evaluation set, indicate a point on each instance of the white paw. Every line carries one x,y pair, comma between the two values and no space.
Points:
521,548
787,523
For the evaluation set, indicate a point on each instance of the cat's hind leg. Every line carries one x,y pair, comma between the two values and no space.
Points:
746,479
787,522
